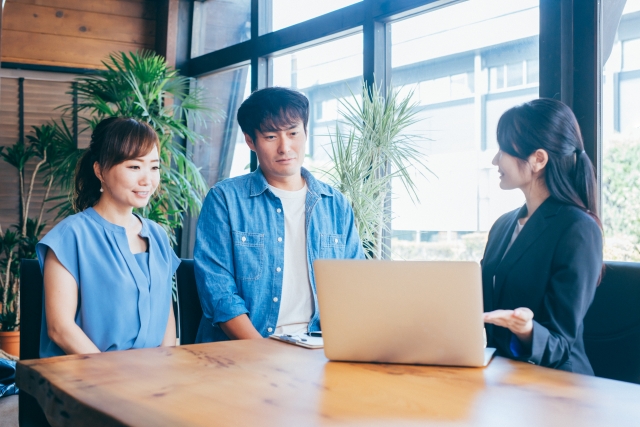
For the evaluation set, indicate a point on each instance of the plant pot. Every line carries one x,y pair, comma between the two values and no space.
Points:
10,342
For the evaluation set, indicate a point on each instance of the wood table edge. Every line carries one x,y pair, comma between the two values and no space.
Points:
53,401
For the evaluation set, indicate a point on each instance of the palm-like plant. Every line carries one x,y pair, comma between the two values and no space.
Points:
10,312
60,172
142,86
20,242
375,150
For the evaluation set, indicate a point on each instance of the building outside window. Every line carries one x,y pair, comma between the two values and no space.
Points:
467,63
325,73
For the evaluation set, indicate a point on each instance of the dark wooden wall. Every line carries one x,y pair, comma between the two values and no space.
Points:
41,99
72,34
75,33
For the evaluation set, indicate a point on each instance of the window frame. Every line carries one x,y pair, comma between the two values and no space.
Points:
570,44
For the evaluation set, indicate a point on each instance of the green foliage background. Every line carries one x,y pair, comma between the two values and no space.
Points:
375,150
139,85
142,86
621,197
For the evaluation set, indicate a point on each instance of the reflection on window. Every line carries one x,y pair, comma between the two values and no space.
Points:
240,163
218,24
285,13
470,62
621,140
324,73
225,153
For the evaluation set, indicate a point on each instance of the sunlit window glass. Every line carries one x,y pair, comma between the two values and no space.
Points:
285,13
470,62
325,74
219,24
224,153
621,140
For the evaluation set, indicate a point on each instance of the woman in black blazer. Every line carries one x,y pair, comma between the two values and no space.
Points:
542,262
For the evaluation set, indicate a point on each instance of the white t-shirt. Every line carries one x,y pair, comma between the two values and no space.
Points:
514,236
296,301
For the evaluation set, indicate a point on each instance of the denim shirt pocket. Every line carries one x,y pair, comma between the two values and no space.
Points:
248,251
332,246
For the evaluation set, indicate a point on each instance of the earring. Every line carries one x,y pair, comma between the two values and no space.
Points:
101,189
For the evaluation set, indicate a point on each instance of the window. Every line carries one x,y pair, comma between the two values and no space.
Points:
324,73
218,24
631,54
285,13
470,62
225,153
466,63
621,140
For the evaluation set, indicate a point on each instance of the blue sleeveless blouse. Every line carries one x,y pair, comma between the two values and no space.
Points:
120,305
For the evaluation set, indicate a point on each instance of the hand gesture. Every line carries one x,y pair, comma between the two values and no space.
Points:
518,321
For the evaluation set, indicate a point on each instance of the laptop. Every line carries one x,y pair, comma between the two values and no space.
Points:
413,312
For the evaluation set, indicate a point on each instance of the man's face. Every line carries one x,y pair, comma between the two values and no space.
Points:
280,153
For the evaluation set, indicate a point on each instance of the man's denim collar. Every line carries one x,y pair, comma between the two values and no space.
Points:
259,184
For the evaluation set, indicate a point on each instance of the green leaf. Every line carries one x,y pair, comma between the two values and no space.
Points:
141,85
375,150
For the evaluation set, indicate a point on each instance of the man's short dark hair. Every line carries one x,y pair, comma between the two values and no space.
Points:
273,109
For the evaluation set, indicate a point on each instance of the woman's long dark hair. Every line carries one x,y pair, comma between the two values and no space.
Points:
113,141
550,125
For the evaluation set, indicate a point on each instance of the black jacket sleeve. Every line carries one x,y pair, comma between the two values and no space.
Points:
575,273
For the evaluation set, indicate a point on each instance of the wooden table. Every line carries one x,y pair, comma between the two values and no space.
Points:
267,383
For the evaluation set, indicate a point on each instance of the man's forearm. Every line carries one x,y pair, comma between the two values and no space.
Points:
240,328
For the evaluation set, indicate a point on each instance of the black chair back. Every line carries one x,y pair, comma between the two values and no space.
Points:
31,294
31,297
612,324
189,308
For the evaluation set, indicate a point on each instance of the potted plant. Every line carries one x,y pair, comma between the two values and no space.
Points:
141,85
375,150
137,85
18,241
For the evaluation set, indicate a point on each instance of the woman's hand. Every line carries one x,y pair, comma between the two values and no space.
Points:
518,321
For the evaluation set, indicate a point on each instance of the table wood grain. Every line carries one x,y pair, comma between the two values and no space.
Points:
268,383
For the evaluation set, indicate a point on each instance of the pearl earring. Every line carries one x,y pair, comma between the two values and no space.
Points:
101,189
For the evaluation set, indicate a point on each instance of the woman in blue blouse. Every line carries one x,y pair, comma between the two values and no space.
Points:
107,271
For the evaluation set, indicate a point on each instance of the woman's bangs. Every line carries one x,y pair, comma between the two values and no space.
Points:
140,143
130,140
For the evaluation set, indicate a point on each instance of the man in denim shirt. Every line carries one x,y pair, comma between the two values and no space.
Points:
258,234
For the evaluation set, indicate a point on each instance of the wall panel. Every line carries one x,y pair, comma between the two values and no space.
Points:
41,99
9,132
71,33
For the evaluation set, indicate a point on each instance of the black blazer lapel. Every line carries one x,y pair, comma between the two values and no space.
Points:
497,244
531,231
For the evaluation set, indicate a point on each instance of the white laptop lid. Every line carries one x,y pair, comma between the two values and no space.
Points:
414,312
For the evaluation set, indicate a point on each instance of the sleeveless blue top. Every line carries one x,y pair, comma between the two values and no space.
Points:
121,304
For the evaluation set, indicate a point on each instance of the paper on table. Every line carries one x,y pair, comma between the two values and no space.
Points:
302,340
